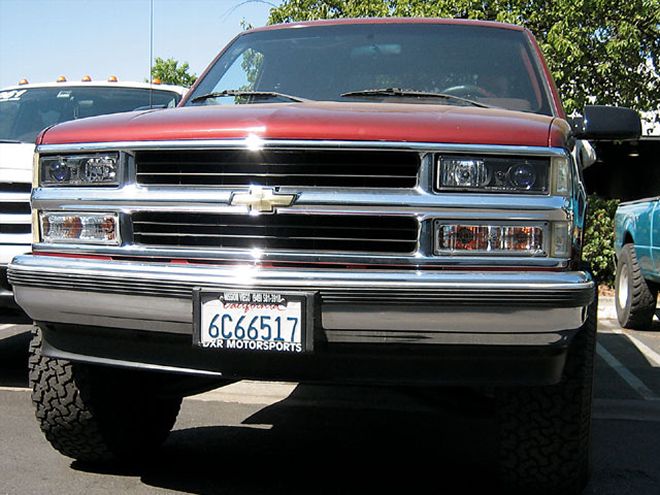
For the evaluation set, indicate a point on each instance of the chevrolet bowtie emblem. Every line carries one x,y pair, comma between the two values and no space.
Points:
261,200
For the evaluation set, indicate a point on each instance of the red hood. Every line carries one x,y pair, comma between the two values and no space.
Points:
319,120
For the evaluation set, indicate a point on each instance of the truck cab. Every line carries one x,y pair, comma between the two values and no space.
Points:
28,108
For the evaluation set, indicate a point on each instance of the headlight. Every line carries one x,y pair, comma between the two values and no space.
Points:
94,228
493,174
79,170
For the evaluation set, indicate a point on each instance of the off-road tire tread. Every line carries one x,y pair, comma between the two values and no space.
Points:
79,418
545,432
642,298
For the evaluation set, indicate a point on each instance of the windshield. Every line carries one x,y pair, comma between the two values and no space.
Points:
25,112
492,66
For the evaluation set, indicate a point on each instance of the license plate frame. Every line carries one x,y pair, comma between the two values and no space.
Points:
252,299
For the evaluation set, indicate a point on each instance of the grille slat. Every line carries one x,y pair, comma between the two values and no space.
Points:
318,233
302,168
16,187
317,238
238,224
22,208
15,228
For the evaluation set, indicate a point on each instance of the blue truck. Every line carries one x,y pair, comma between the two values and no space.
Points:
637,225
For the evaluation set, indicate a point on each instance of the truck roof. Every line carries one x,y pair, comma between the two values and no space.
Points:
80,84
391,20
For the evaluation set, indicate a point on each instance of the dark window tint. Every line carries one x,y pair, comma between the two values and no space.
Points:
493,66
25,112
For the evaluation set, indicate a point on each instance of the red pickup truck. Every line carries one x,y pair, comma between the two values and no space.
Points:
388,201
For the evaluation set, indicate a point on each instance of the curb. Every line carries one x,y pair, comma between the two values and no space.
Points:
606,308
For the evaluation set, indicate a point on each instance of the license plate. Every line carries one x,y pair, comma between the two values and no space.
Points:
250,321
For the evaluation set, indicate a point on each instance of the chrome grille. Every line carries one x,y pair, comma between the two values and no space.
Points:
315,233
15,219
301,168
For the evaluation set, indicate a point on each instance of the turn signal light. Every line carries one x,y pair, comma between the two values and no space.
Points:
489,239
88,228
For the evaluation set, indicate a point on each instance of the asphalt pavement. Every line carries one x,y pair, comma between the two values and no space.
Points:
285,438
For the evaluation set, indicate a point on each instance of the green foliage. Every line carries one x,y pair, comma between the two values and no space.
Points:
606,49
599,239
170,72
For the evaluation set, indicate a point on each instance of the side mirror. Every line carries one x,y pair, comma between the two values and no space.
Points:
603,123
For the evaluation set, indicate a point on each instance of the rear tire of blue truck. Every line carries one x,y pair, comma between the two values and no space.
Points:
97,415
545,432
635,299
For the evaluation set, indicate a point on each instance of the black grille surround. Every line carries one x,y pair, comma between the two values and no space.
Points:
287,232
16,187
285,168
15,207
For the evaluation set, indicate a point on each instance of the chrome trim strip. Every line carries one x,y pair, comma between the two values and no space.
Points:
293,144
175,275
337,200
157,296
135,251
444,296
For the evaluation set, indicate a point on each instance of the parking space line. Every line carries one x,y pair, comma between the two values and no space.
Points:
652,356
626,410
14,389
635,383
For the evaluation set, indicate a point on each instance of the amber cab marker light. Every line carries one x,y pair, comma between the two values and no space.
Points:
61,79
112,79
156,81
23,81
86,79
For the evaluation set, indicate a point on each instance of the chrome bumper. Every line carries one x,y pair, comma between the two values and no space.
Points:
354,306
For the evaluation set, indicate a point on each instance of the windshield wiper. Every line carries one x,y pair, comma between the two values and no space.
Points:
411,93
240,92
10,141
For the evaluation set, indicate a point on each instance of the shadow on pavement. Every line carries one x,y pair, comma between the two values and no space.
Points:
634,361
331,450
14,316
316,442
625,434
14,345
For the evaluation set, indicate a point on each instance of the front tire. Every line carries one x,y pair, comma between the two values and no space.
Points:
96,414
545,432
635,301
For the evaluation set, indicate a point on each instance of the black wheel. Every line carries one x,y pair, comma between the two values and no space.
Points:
635,301
96,414
545,432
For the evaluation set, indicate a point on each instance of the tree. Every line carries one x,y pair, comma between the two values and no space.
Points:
169,72
607,51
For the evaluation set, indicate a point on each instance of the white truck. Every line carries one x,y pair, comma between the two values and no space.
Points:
25,110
